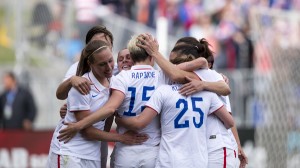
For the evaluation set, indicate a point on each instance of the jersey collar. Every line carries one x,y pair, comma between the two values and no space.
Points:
142,67
98,86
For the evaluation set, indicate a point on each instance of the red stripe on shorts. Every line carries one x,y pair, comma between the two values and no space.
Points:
224,165
58,161
234,154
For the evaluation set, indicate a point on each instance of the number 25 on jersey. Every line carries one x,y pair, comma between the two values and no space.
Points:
183,105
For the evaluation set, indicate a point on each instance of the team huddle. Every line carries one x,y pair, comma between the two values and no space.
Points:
175,116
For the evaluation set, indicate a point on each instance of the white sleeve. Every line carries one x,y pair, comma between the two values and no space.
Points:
156,100
217,75
208,75
215,103
227,104
119,82
71,71
226,101
77,101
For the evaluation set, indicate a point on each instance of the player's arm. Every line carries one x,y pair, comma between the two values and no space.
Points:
128,138
106,111
81,84
194,86
194,64
137,122
242,156
93,133
225,116
173,72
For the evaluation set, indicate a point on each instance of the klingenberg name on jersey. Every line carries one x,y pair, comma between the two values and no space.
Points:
145,75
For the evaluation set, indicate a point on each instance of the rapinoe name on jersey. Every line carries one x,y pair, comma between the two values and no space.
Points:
145,75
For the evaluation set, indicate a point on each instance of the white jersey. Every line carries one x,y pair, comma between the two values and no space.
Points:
138,84
71,71
217,134
55,145
183,126
78,146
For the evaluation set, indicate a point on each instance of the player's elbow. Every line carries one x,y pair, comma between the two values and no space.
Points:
174,77
177,78
110,111
226,91
60,96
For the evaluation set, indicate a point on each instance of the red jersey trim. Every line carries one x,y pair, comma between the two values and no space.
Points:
153,109
142,69
112,89
197,76
217,109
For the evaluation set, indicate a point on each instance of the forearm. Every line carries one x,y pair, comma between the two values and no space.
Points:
220,88
132,123
172,71
93,133
199,63
236,136
99,115
63,89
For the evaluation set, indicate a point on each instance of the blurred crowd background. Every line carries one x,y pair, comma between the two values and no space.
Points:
256,45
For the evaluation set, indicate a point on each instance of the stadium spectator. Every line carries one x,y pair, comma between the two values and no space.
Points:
17,106
41,19
85,15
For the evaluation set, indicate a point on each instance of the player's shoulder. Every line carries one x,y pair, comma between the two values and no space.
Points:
163,86
122,74
207,94
169,88
208,75
207,71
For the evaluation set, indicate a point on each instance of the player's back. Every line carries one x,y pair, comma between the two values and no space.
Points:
217,135
138,84
183,125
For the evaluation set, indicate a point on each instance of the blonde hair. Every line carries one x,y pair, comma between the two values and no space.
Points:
138,54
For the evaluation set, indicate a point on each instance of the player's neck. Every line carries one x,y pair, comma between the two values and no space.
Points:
145,62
